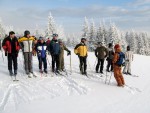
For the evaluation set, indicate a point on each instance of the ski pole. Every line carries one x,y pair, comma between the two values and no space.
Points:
2,55
41,64
95,63
48,61
70,65
106,77
110,78
89,65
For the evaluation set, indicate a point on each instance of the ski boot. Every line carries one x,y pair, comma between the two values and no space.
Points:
10,73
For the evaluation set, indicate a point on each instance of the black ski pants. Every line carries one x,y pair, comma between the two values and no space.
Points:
100,64
55,60
12,61
83,63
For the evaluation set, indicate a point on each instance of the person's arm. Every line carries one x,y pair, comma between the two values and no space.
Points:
76,49
4,45
96,52
18,46
66,49
115,59
107,52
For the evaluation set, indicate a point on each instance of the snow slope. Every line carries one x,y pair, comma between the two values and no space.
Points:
76,93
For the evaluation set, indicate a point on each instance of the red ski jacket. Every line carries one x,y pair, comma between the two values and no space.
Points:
11,45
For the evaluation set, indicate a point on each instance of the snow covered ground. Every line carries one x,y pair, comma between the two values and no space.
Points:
76,93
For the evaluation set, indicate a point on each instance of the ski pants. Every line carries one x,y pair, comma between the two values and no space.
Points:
100,64
109,64
28,62
12,60
127,68
42,61
118,75
55,60
83,63
61,62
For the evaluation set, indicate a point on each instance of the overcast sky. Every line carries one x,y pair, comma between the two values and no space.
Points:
25,14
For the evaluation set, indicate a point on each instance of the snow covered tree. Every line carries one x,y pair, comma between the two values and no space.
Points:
100,34
60,32
133,41
140,44
2,30
113,35
92,36
37,34
51,29
85,28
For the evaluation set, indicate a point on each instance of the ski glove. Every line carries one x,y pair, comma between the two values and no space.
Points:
39,54
69,53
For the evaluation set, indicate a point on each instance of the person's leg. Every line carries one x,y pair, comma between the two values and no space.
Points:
40,63
81,64
97,66
108,64
117,75
62,64
15,64
85,64
121,77
53,63
129,68
30,63
111,65
57,62
45,64
102,65
26,62
125,68
9,57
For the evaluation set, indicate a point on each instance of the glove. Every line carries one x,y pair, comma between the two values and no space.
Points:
69,53
39,54
6,54
78,54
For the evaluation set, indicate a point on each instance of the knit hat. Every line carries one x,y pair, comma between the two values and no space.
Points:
83,39
60,40
55,35
99,43
110,45
117,46
26,33
128,48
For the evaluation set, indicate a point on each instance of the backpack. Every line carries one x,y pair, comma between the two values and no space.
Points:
120,61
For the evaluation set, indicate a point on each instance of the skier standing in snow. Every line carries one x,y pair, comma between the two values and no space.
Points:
110,57
42,53
128,60
27,43
61,56
81,51
117,64
11,47
54,49
101,53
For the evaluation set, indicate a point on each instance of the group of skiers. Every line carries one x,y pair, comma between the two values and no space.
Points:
114,56
31,46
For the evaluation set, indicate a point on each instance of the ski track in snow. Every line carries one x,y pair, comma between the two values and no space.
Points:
27,90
